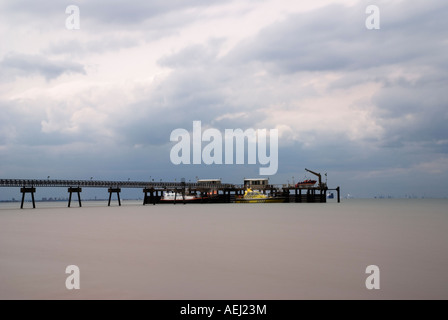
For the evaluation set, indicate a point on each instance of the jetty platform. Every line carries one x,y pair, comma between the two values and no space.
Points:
205,192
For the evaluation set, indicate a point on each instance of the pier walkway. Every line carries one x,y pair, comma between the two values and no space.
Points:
153,191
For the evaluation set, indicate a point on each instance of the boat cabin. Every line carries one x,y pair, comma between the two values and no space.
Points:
209,182
256,184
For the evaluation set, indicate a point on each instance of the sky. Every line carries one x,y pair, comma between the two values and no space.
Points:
368,107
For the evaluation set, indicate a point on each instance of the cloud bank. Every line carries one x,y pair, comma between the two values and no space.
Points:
369,107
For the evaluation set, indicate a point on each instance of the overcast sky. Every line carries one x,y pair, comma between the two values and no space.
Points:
368,107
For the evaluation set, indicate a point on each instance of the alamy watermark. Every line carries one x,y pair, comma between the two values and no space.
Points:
73,280
212,153
373,280
73,21
373,20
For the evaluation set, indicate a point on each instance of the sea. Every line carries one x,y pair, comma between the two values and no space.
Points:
356,249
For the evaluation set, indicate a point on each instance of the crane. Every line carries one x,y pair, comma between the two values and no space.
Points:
319,176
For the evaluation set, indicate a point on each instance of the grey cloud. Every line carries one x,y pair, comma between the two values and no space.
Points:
203,87
23,128
414,112
106,11
335,38
154,118
98,46
175,104
17,65
191,56
41,8
136,11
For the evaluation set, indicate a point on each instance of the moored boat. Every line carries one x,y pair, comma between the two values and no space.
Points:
306,183
251,196
177,197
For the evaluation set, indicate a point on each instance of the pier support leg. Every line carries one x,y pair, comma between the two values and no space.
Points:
69,199
78,191
339,195
183,191
117,191
32,198
23,199
28,190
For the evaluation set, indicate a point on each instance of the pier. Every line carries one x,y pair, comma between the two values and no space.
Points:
207,191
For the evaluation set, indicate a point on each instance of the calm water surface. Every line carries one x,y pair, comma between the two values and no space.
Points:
226,251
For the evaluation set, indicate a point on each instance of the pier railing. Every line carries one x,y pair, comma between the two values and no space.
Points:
107,184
